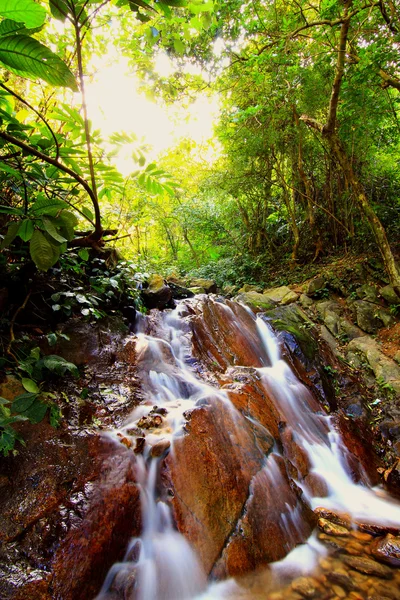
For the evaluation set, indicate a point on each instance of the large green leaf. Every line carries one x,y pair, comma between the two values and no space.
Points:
23,402
23,11
59,9
25,230
27,57
10,235
47,206
9,26
43,253
51,229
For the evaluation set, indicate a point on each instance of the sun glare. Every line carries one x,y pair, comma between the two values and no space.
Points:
115,104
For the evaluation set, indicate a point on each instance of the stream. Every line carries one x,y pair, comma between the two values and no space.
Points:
250,533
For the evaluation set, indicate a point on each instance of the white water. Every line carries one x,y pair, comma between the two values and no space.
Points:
160,565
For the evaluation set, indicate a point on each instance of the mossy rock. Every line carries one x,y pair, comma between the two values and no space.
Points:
293,320
257,302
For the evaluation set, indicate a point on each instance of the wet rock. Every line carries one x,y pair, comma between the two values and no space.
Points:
157,294
150,421
389,294
342,579
305,586
208,285
140,444
387,550
125,441
368,566
332,528
281,295
368,292
160,448
384,369
314,286
256,301
197,290
250,288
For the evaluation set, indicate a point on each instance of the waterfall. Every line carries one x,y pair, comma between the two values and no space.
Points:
161,564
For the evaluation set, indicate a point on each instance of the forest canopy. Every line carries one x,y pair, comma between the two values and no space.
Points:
303,163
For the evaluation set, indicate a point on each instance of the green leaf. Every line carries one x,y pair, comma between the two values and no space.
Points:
88,213
59,365
30,385
8,26
25,230
177,3
69,222
23,11
83,253
27,57
11,234
59,9
179,46
42,252
22,402
134,4
47,206
52,231
36,411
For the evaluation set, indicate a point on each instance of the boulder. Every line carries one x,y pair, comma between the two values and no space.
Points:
247,287
368,292
256,301
197,290
389,295
370,317
387,550
385,369
306,301
179,292
314,286
209,285
281,295
157,294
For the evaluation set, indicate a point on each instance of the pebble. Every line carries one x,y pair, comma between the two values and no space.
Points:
160,447
332,528
305,586
387,550
140,443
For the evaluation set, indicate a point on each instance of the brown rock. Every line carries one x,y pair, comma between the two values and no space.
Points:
332,528
305,586
387,550
160,448
341,579
368,566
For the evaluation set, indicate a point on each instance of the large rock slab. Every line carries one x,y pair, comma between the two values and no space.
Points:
158,294
208,285
385,369
257,302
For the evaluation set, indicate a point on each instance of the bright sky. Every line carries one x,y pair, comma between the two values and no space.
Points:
116,105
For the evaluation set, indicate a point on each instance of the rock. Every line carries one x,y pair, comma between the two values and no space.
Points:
370,317
314,286
179,292
281,295
368,292
397,357
389,295
368,566
229,290
209,285
384,368
342,579
305,586
305,301
140,444
197,290
180,281
332,528
160,448
255,300
250,288
387,550
157,294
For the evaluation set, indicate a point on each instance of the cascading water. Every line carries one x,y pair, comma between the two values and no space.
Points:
161,564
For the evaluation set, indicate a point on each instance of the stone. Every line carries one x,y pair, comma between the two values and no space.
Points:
314,286
342,579
209,285
370,317
158,294
179,292
389,295
368,292
305,301
197,290
305,586
368,566
281,295
385,369
160,448
332,528
256,301
387,550
250,288
397,357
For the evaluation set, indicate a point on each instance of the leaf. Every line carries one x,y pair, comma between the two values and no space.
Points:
69,222
88,213
25,230
11,234
36,411
9,26
22,402
27,57
59,9
83,254
47,206
24,11
176,3
42,252
30,385
52,231
52,339
179,46
59,365
134,4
